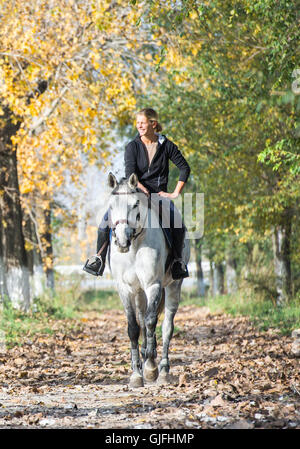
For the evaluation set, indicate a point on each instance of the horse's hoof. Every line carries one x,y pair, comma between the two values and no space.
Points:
150,371
163,378
136,381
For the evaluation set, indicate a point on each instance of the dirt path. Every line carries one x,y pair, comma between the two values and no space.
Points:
225,375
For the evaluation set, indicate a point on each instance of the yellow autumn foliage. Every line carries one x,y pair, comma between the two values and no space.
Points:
82,52
70,71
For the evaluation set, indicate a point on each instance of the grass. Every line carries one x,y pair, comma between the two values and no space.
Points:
43,318
262,313
64,309
99,300
51,312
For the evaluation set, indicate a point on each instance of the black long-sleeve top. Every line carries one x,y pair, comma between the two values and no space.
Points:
154,176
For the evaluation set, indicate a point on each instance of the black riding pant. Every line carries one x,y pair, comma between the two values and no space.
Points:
177,232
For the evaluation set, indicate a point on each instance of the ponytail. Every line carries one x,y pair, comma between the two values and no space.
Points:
158,127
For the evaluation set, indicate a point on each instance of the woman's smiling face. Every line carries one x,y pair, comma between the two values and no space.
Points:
144,126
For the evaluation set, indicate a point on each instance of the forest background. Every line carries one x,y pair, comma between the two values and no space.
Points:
225,79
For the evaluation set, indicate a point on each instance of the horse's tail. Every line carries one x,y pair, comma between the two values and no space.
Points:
162,303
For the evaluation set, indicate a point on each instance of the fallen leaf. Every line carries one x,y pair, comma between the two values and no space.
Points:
182,380
19,361
217,401
211,372
47,422
242,424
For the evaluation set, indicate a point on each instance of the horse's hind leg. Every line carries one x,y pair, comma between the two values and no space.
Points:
141,304
171,305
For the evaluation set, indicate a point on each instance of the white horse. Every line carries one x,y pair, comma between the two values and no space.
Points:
137,259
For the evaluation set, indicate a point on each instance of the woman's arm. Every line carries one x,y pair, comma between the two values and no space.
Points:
177,158
176,193
130,165
129,160
184,171
143,188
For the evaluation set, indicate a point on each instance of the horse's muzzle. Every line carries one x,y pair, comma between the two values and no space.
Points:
123,249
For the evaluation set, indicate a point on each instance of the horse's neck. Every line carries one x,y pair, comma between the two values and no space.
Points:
154,233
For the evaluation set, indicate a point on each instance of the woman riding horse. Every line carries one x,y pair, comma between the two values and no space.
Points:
148,157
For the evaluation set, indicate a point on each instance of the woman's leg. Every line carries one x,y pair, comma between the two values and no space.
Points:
179,268
171,218
95,265
103,232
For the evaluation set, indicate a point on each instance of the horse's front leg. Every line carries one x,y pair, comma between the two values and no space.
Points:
153,294
136,379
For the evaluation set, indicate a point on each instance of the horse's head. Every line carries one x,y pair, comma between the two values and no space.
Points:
128,207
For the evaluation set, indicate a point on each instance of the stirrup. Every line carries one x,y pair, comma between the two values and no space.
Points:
94,265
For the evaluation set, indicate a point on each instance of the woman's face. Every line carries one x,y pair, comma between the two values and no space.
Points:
144,126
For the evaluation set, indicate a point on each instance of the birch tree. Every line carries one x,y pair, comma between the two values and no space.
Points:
230,100
70,72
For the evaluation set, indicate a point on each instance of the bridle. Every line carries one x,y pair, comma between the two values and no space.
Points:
124,220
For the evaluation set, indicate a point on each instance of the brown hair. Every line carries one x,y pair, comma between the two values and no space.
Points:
152,116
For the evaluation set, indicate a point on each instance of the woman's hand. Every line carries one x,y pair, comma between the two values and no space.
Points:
172,195
143,189
175,194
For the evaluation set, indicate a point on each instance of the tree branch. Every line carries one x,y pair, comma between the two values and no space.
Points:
39,121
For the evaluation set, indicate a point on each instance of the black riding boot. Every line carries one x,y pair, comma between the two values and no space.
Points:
179,269
95,265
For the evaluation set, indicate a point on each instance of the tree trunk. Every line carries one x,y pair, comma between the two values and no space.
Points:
33,248
211,279
219,279
3,289
13,265
199,271
47,239
282,257
231,276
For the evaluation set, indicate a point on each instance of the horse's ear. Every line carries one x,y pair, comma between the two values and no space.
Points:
133,181
112,181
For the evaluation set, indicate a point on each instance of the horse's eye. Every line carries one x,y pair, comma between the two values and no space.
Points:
136,205
138,217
